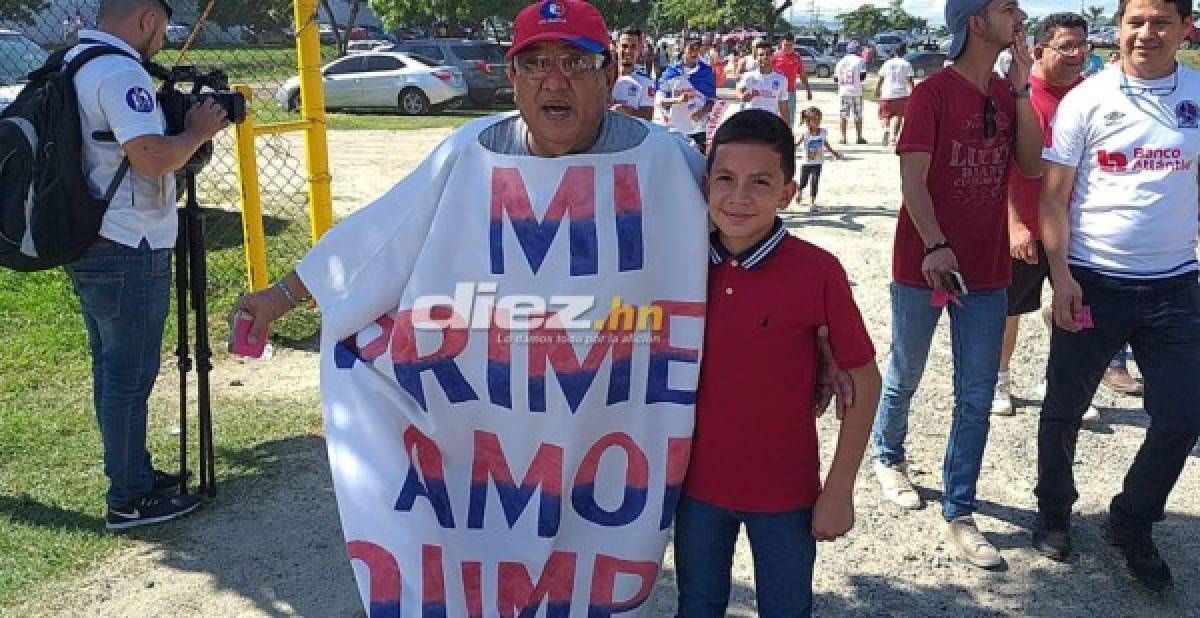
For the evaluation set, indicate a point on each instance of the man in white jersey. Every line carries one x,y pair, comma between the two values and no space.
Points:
764,88
687,92
849,73
892,89
1119,223
633,92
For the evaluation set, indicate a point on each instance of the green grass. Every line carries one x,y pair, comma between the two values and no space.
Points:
51,478
245,64
1190,57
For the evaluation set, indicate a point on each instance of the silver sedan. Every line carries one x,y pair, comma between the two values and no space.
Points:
394,80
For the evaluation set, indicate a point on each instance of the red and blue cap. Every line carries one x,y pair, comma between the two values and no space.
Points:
574,22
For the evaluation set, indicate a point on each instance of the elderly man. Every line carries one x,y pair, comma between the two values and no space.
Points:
535,377
1119,223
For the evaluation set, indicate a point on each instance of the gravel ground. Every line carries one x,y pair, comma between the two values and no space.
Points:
272,546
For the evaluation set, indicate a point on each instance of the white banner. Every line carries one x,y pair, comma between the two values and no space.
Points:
510,353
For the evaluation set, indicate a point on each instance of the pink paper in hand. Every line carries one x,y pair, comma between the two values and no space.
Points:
1084,317
239,341
940,298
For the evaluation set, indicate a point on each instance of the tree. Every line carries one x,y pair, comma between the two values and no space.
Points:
261,14
1094,15
23,11
396,13
864,21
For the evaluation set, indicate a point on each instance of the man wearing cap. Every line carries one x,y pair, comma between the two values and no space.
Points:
951,250
124,280
687,91
499,442
633,93
1119,224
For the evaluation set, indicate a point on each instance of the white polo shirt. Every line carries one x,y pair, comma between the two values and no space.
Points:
636,91
1135,145
768,90
117,95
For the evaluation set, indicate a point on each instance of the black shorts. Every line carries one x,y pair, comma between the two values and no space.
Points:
1025,292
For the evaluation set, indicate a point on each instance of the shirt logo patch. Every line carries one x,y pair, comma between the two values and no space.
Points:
1187,112
1113,118
139,100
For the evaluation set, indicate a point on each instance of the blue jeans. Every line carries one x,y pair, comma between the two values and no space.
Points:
1161,319
124,295
976,333
784,552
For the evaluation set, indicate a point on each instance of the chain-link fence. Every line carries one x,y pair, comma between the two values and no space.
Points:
264,61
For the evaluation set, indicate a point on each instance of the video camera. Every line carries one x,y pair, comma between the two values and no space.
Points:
175,103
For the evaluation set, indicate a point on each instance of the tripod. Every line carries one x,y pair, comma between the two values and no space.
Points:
191,278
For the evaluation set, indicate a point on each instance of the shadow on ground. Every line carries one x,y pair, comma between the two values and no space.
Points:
272,539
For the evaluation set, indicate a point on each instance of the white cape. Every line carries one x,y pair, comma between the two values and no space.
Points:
484,470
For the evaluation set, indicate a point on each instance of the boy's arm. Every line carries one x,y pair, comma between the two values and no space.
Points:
833,514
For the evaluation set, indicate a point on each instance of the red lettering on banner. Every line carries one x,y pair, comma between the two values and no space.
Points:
519,596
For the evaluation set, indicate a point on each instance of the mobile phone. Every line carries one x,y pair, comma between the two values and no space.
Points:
239,337
955,283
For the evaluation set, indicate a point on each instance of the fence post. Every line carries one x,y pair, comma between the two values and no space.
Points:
255,240
312,110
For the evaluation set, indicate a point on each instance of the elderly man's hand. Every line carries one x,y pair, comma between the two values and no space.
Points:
264,307
831,380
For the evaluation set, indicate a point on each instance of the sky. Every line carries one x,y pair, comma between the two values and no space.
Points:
932,9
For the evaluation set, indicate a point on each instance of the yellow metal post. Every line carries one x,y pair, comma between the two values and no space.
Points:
252,218
312,101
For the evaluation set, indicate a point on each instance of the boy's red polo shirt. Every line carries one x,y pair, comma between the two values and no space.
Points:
755,445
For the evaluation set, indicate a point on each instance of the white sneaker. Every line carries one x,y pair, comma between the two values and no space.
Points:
1090,414
895,486
1002,404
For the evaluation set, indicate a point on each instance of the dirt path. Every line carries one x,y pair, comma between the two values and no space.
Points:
272,546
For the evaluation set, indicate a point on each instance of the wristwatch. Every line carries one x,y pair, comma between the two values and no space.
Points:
1022,93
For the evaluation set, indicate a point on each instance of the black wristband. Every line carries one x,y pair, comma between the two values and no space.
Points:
945,244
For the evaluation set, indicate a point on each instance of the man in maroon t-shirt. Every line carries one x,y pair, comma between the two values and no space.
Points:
791,65
963,127
1060,47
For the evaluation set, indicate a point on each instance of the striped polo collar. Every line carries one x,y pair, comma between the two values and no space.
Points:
752,257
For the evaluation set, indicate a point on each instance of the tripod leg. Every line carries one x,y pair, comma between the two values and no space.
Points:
181,347
199,283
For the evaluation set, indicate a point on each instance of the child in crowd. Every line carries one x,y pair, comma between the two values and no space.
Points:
813,142
754,458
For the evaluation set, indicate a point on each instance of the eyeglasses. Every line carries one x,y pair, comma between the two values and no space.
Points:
536,67
989,117
1071,49
1158,91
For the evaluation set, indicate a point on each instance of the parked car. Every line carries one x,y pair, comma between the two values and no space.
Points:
816,63
886,44
925,63
366,45
19,56
178,33
481,62
405,82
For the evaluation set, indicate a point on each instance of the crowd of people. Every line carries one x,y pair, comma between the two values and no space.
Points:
1006,182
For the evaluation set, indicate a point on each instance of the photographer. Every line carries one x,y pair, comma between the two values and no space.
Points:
124,280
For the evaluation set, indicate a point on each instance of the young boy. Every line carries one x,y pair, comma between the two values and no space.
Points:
755,455
764,88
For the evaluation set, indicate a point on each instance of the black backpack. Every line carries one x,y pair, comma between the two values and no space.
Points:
48,216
